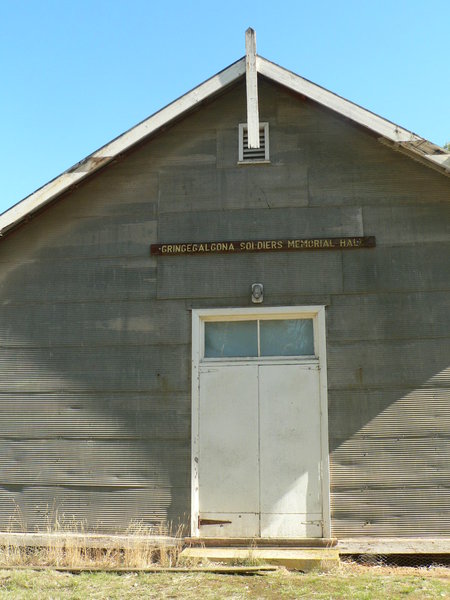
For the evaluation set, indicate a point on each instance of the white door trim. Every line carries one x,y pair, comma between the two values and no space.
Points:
317,313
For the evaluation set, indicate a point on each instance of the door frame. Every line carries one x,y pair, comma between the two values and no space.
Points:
199,317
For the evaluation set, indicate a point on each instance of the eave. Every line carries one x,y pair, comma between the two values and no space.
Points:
387,132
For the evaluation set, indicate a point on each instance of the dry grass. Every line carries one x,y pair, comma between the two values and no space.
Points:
68,545
349,582
251,560
73,552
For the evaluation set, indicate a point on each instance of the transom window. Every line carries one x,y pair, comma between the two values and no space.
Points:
259,338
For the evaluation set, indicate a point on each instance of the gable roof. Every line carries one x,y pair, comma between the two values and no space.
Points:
389,133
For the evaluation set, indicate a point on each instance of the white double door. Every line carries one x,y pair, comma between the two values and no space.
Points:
259,459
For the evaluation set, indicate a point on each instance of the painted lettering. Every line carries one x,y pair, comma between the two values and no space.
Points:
263,245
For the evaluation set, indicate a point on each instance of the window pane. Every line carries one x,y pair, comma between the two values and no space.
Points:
286,337
231,338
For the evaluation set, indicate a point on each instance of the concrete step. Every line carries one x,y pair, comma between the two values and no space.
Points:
297,559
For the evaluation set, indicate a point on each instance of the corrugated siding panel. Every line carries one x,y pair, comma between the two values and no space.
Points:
150,462
102,509
387,179
132,368
201,189
411,224
96,416
96,323
98,237
396,512
79,280
220,276
410,268
387,316
364,462
389,363
389,462
388,412
262,224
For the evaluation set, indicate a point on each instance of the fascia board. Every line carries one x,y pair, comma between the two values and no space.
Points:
334,102
403,139
107,153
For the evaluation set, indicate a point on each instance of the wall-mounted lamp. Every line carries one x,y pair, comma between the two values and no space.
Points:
257,293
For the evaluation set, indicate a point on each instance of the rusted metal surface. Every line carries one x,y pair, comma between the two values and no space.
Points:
202,522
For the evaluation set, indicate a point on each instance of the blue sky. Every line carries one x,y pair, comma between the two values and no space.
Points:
77,74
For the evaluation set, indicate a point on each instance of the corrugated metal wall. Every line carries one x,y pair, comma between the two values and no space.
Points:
95,338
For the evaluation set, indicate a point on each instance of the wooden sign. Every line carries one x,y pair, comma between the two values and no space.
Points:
240,246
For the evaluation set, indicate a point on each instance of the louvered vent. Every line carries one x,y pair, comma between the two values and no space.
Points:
250,155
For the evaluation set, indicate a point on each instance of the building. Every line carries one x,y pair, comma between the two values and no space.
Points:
276,366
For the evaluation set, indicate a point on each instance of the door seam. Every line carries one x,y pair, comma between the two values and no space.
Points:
259,455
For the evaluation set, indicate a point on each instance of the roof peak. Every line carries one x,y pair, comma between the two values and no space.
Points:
389,133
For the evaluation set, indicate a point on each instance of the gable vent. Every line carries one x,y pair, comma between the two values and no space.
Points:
252,155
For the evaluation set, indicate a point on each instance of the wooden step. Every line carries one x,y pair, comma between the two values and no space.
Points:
261,542
296,559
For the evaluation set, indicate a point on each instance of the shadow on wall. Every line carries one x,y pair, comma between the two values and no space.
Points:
95,384
389,418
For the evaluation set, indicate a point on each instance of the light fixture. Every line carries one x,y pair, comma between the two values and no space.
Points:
257,293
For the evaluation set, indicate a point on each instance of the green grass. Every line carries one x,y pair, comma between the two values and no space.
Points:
348,582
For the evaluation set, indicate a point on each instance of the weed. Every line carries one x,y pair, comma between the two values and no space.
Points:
66,543
250,559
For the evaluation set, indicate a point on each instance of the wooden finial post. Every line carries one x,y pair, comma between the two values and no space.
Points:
252,89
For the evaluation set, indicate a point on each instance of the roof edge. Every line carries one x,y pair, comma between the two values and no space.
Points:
104,155
396,137
402,138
